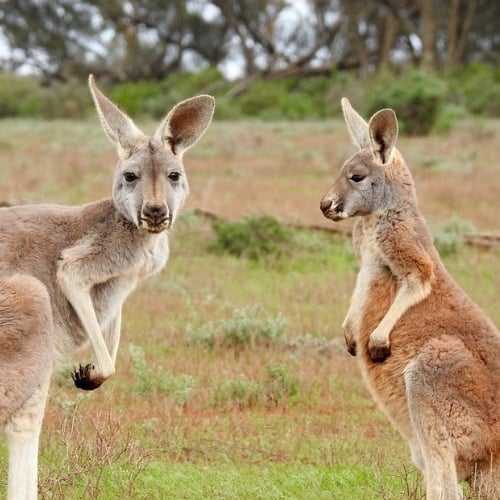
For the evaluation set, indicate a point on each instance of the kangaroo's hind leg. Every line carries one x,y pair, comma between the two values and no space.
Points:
26,356
446,412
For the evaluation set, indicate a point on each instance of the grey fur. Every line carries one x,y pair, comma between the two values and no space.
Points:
65,272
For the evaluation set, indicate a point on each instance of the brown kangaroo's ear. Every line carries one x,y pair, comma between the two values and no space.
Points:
383,127
119,128
357,126
186,123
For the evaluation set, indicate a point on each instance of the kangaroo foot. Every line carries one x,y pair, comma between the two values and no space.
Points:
84,378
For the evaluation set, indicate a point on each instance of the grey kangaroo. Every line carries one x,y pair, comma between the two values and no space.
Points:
65,271
429,356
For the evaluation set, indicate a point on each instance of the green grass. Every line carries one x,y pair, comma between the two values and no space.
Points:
282,412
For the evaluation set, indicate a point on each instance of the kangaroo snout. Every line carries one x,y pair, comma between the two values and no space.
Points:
155,215
330,209
325,205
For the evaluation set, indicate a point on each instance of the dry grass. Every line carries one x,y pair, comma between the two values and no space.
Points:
291,408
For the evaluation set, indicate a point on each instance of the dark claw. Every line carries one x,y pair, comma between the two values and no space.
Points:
352,348
379,354
82,377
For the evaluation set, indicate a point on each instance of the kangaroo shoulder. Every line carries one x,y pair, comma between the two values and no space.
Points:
405,244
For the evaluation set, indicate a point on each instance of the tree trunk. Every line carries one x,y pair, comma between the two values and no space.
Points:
428,34
388,38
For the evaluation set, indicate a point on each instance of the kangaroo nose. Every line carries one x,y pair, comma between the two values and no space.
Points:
325,205
154,210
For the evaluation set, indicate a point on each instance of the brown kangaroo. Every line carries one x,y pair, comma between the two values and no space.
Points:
65,272
428,354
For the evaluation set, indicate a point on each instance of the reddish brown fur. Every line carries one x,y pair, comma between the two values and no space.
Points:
439,378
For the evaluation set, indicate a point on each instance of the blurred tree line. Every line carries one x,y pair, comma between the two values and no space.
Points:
128,40
434,61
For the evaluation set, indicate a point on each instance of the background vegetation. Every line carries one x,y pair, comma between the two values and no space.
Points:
434,62
232,376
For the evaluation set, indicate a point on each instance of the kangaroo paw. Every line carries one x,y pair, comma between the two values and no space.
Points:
352,347
85,379
379,353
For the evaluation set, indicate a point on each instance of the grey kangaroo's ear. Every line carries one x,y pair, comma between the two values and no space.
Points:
119,128
383,128
186,123
357,126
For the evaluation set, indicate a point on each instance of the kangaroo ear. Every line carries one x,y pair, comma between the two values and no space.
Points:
357,126
383,128
186,123
119,128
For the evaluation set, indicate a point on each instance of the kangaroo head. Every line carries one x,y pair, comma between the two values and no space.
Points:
373,178
150,185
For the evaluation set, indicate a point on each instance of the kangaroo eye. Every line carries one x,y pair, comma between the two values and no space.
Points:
174,176
130,176
357,177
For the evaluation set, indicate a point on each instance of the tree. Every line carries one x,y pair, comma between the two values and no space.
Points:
138,39
51,37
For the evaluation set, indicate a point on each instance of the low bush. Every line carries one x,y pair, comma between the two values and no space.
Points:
247,327
276,387
450,238
477,88
154,380
240,391
417,97
425,101
134,96
255,237
19,96
281,385
285,99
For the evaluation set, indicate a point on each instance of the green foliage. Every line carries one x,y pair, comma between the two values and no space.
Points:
417,98
450,238
424,101
252,325
133,96
19,96
207,81
254,237
287,98
245,393
449,115
477,88
155,381
248,327
280,385
64,100
156,98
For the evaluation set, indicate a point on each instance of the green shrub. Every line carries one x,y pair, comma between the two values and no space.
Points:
477,86
254,237
450,238
245,393
286,99
417,98
134,96
252,326
449,115
280,385
187,84
247,327
64,100
19,95
277,386
156,381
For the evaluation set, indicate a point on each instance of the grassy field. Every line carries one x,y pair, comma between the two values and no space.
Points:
232,377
